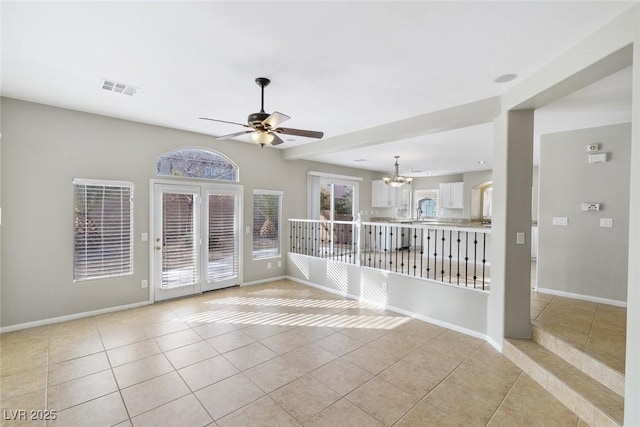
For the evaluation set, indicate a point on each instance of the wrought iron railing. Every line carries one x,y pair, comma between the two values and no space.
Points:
449,254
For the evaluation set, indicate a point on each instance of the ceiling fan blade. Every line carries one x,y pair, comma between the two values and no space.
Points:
224,121
231,135
276,139
274,120
300,132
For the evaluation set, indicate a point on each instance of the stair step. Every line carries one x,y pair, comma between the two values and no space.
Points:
581,360
594,403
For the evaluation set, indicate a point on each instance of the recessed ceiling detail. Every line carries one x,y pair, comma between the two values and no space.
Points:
505,78
117,87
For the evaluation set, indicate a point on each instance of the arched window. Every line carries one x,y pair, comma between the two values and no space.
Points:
197,163
428,208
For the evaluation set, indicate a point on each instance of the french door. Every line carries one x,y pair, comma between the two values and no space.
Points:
196,238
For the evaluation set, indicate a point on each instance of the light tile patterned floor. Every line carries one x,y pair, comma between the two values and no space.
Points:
599,330
277,354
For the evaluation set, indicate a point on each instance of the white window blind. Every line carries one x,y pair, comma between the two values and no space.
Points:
267,206
103,229
224,234
179,245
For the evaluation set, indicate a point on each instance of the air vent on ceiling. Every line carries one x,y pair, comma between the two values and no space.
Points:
113,86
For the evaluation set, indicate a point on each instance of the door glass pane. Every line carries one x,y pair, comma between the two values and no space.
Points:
223,238
179,249
343,202
325,201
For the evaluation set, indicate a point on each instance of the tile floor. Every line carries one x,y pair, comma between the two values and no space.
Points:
277,354
599,330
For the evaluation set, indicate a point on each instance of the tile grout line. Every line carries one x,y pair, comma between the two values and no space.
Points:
46,378
505,397
593,322
113,374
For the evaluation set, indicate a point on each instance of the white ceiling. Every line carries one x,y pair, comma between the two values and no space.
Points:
337,67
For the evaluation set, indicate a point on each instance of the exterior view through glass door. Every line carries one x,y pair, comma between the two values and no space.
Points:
196,238
336,205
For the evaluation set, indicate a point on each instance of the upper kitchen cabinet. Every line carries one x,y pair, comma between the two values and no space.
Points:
384,195
452,195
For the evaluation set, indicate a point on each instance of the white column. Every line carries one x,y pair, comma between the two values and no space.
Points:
632,368
509,300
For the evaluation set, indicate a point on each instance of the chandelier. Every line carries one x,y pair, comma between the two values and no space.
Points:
397,180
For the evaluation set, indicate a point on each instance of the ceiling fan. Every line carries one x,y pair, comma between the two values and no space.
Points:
263,127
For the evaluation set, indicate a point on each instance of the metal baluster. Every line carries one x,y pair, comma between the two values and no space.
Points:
421,248
391,249
484,256
428,251
450,253
442,257
475,258
415,250
458,258
466,259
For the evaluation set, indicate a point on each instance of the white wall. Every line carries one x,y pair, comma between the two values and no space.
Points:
44,148
448,305
584,258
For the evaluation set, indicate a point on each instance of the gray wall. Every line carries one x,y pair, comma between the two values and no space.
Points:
44,148
583,258
471,180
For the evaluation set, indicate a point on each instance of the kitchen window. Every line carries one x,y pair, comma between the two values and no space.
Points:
426,203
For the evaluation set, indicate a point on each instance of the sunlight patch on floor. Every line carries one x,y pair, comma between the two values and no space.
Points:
286,302
298,319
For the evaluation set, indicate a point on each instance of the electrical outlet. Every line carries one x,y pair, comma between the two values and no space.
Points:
520,238
268,266
606,222
144,284
385,286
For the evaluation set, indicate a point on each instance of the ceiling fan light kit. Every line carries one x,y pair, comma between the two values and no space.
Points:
397,180
264,127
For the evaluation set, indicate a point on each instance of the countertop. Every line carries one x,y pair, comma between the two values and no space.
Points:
446,222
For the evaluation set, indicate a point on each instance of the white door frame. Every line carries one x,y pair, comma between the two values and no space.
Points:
204,190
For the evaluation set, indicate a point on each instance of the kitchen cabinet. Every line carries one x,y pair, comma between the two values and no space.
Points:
451,195
385,196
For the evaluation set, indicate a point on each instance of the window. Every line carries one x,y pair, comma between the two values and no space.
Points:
267,206
103,229
427,203
332,197
196,163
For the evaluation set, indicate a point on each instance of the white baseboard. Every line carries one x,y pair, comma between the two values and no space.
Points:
582,297
71,317
431,320
323,288
258,282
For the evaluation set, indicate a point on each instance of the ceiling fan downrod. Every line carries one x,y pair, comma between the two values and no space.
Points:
262,82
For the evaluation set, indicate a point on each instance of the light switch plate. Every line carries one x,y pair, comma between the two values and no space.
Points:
563,221
520,238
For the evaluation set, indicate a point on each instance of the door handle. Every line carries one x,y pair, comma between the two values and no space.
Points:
158,248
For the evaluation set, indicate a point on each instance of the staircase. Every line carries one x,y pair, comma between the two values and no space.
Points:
590,388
